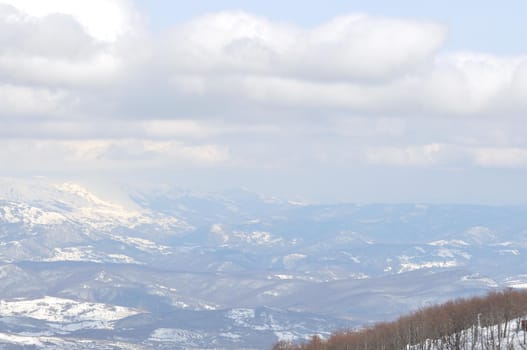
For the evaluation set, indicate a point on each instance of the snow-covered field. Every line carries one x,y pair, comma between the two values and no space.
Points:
69,314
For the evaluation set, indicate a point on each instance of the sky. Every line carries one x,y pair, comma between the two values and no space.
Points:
333,101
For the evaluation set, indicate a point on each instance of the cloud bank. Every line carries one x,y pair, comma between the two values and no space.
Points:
88,85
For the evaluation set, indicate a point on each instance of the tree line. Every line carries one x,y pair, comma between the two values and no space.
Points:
488,322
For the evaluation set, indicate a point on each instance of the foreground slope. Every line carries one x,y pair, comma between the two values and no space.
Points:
490,322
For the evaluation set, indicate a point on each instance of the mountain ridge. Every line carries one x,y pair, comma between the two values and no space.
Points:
199,254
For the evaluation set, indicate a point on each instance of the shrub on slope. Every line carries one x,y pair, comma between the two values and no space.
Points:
489,322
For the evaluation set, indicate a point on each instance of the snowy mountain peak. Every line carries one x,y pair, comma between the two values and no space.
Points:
81,192
33,203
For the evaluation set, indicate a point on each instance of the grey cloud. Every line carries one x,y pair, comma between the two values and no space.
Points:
68,129
33,103
56,50
54,36
108,154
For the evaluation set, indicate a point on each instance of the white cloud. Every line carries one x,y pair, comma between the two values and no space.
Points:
69,128
245,65
55,35
442,155
177,128
470,83
104,20
505,157
356,62
453,85
71,43
98,70
31,101
347,47
84,86
424,155
518,90
107,155
360,46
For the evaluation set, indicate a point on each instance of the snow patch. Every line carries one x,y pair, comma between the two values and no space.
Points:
519,281
489,282
176,335
58,310
291,259
285,336
452,253
509,251
74,254
283,277
122,259
30,216
142,244
480,234
407,265
453,242
240,316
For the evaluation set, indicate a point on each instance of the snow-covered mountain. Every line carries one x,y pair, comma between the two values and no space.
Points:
180,262
58,310
40,204
66,222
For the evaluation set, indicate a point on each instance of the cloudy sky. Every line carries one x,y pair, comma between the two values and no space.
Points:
323,101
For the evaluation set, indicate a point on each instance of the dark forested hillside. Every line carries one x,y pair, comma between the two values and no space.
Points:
489,322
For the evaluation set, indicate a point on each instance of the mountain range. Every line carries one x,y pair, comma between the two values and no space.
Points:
168,268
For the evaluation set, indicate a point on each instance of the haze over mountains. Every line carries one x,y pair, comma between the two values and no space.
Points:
345,102
178,269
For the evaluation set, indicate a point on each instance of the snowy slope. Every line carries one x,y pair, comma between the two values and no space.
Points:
53,204
504,336
66,312
66,222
